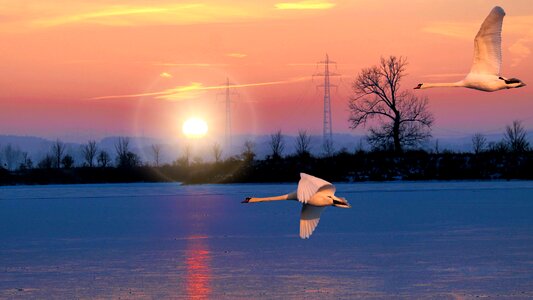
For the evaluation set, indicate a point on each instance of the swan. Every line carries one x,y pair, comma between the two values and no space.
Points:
485,72
315,194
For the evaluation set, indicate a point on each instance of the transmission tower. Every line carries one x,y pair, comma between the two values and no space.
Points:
327,131
228,102
228,116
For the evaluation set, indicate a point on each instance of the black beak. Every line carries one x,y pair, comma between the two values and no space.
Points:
246,200
341,204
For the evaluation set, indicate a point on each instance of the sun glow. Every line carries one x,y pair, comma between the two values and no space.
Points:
194,128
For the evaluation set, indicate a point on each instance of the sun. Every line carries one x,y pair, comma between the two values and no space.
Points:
194,128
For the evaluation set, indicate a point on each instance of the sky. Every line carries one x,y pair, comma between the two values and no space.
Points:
88,69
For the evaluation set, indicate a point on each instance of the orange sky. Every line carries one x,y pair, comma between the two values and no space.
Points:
97,68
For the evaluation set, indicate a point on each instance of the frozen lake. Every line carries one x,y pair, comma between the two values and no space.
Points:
450,240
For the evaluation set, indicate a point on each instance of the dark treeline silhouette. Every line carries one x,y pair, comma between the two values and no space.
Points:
510,158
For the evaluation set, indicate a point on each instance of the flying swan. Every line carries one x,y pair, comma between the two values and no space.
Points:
315,194
485,72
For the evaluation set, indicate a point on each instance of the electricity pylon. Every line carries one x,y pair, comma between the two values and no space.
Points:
327,129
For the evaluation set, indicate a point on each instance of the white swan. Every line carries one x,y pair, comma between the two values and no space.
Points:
485,72
315,194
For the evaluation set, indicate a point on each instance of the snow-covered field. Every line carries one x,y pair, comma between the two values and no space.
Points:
404,240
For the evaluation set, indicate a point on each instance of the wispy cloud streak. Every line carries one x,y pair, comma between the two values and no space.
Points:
305,5
170,64
43,14
194,89
236,55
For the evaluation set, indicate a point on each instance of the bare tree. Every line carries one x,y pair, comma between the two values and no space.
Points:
184,160
360,147
479,143
515,137
277,144
58,149
12,156
198,160
26,163
47,162
89,151
125,158
103,159
248,153
122,147
156,153
404,118
67,161
303,141
498,147
217,152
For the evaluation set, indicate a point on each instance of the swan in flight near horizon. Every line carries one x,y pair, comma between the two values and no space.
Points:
315,194
485,72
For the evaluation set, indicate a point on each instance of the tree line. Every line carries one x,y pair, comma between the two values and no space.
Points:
511,157
12,158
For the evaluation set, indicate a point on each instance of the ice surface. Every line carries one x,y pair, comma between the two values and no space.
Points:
400,240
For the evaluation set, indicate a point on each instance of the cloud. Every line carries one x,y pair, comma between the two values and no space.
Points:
236,55
301,64
519,50
184,92
461,30
111,15
195,90
305,5
165,64
192,91
19,16
33,14
148,15
165,75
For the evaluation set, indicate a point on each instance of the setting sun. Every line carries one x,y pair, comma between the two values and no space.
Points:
194,128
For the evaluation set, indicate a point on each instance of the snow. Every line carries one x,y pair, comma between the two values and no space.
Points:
164,240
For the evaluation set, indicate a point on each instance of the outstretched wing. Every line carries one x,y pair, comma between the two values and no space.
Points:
488,44
309,219
309,185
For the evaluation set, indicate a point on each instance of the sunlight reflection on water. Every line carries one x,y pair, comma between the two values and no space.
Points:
198,268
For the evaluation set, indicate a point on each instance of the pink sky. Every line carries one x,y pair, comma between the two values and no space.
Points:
142,67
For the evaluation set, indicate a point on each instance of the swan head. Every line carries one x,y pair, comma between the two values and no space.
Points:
516,84
340,202
512,83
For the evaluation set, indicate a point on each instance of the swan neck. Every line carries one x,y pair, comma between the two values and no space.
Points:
291,196
443,84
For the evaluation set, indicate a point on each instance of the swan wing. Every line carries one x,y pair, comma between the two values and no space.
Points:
488,44
309,185
309,219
